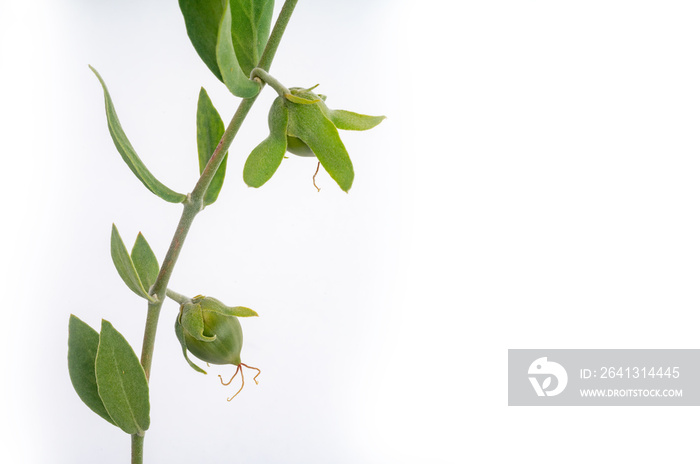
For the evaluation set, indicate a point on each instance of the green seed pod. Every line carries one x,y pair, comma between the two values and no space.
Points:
210,330
297,147
341,119
210,335
302,124
305,97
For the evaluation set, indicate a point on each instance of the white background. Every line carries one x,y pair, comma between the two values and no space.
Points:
535,185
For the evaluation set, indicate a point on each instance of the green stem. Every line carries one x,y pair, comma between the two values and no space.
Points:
194,205
265,77
159,287
276,34
182,299
245,105
136,449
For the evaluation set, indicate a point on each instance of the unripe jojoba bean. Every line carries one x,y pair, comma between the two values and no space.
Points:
210,334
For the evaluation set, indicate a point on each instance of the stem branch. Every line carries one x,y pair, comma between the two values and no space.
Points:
265,77
194,205
181,299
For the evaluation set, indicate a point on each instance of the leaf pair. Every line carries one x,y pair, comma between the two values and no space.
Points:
107,375
139,270
302,124
229,36
210,128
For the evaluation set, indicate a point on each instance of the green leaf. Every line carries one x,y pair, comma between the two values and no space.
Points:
145,262
237,82
210,128
238,311
129,154
125,266
208,24
212,304
180,334
202,19
301,100
250,20
308,123
347,120
121,382
82,351
192,318
267,156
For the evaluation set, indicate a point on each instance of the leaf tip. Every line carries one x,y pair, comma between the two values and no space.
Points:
99,77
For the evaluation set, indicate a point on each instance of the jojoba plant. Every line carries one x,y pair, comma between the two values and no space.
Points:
235,40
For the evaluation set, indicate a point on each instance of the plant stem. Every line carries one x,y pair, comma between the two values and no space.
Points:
136,449
177,297
149,337
276,34
269,80
245,105
194,205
